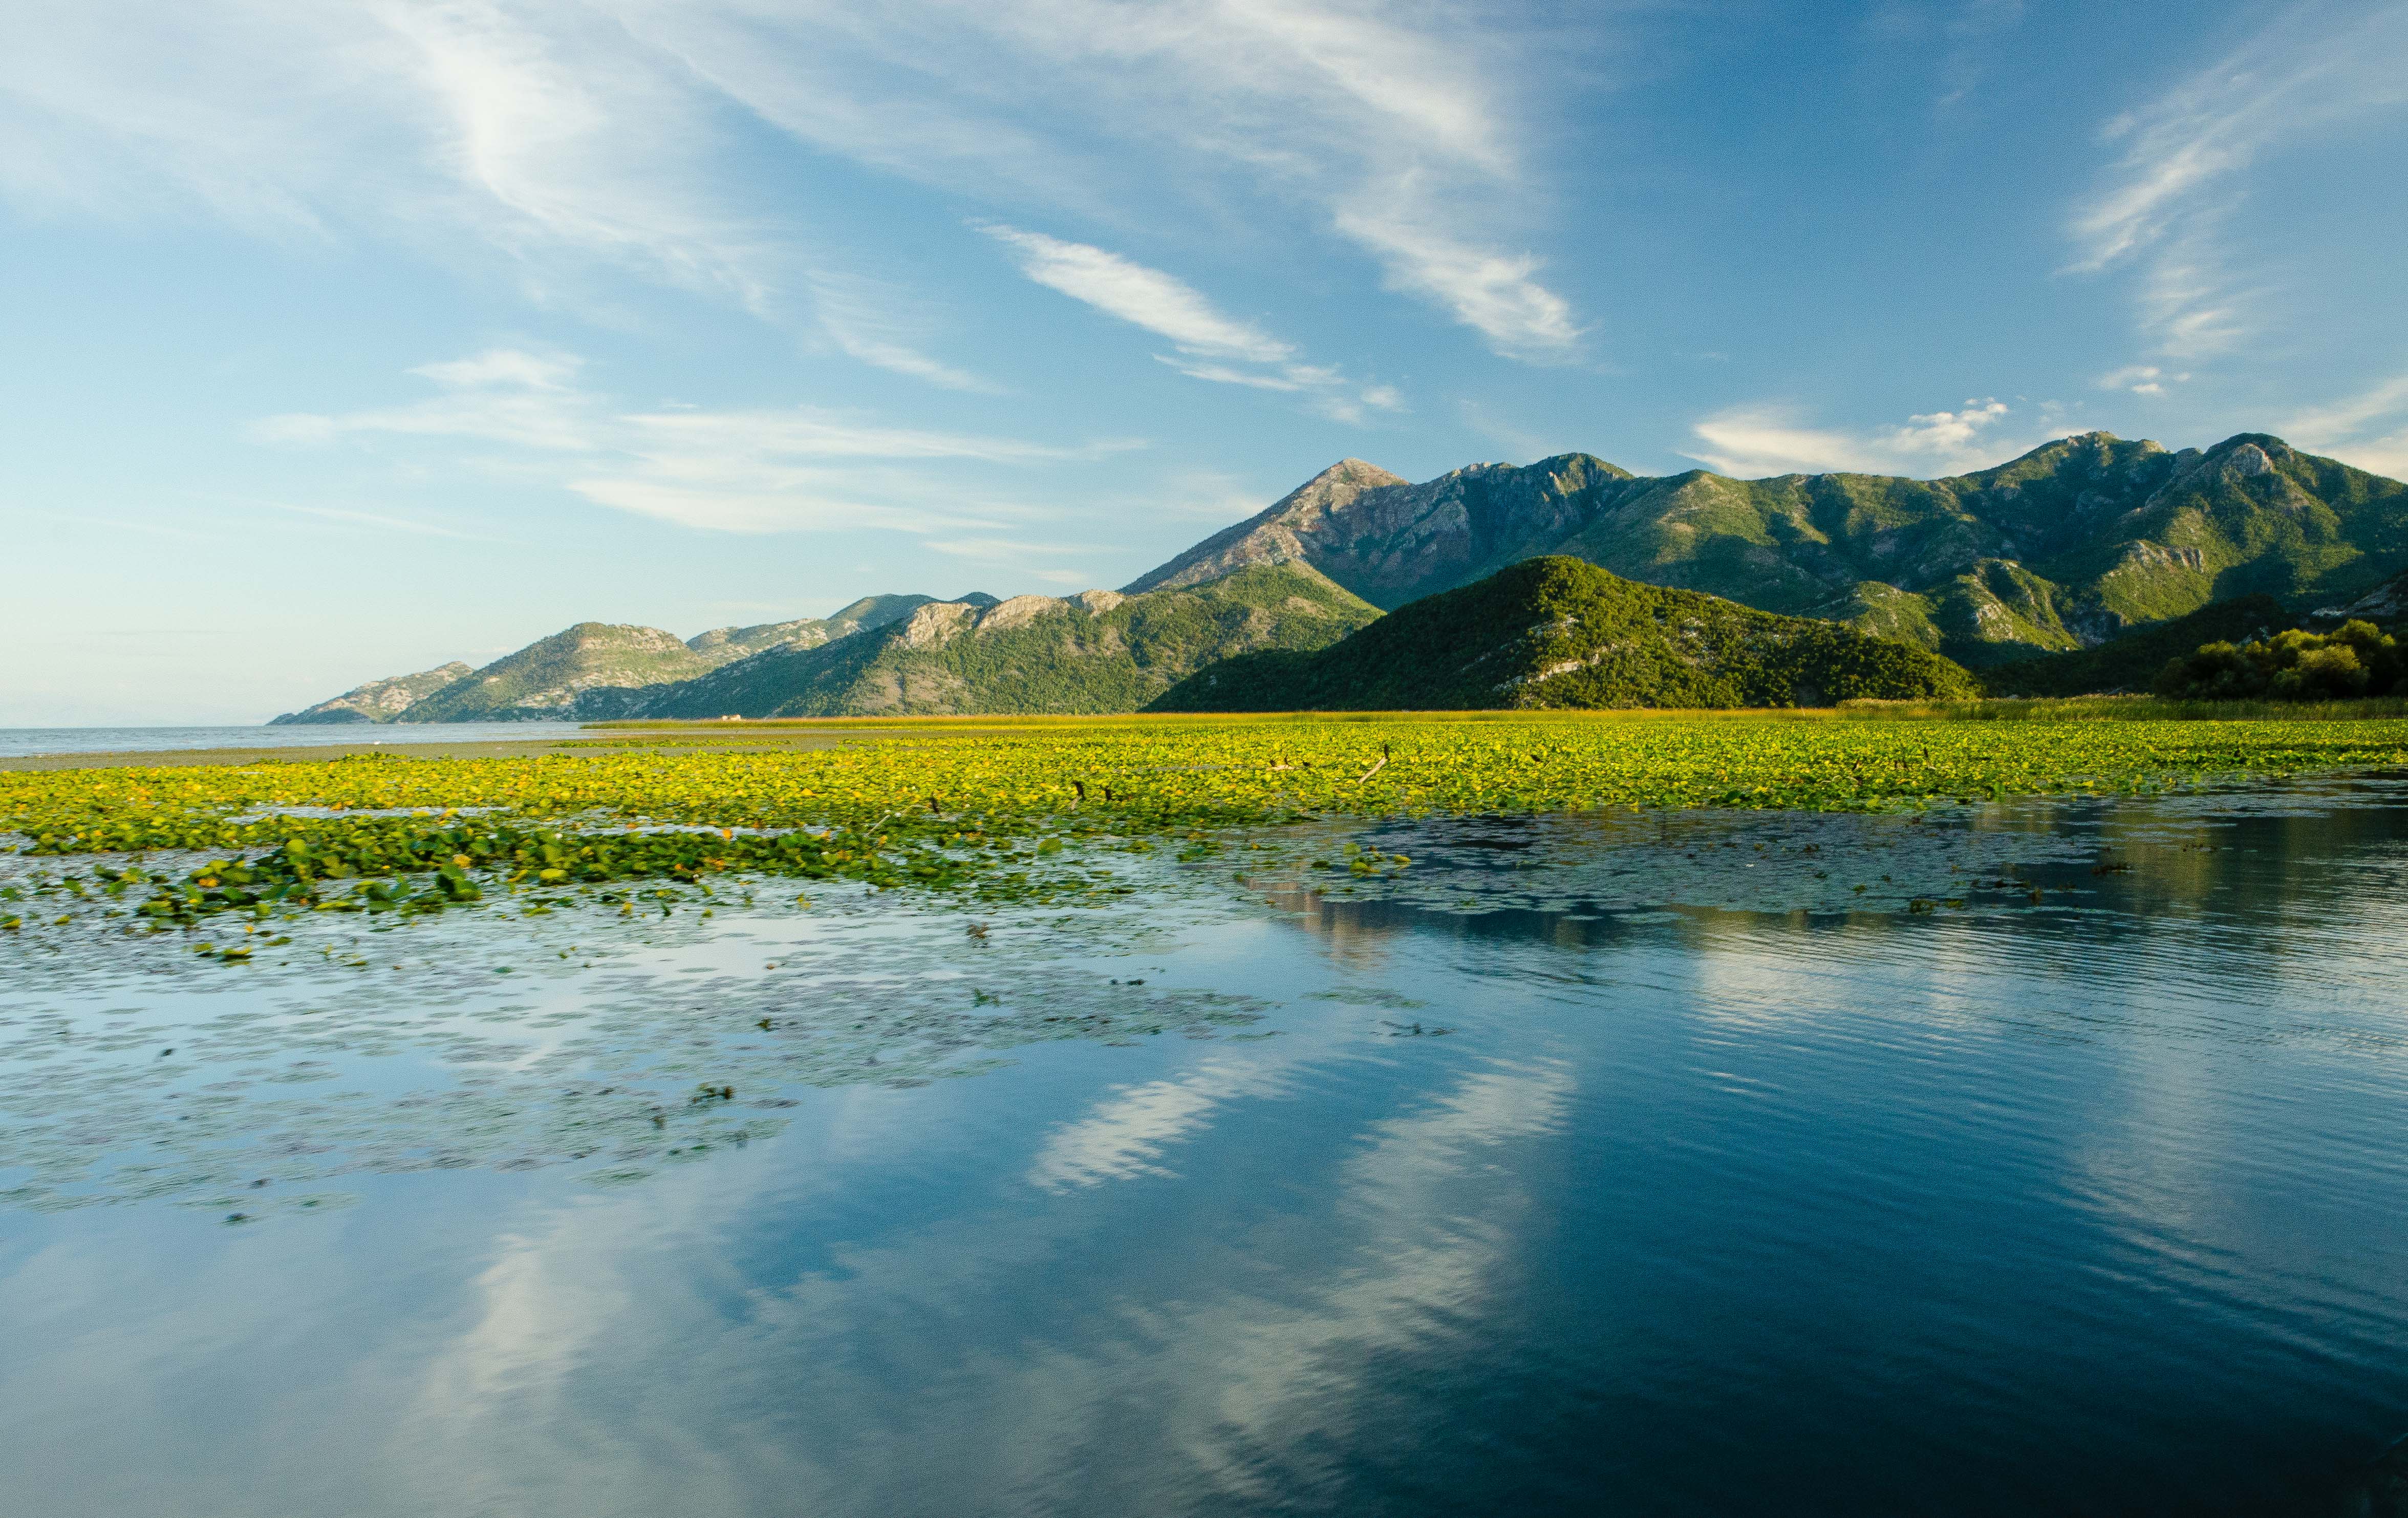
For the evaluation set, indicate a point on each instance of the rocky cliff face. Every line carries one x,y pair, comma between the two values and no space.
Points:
725,645
1283,534
379,700
2072,544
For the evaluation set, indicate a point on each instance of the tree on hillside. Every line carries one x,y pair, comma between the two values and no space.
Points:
2355,659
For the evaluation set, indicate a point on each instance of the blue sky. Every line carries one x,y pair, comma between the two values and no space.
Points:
346,340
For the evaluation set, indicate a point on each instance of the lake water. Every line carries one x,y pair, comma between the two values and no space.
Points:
1642,1164
25,742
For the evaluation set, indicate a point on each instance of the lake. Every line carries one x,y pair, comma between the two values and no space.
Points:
2046,1156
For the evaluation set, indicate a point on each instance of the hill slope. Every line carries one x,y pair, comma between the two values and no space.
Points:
379,700
2066,546
1099,650
2129,663
590,671
1557,632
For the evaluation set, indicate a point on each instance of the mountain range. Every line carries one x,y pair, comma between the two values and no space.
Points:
1095,652
2072,546
2069,546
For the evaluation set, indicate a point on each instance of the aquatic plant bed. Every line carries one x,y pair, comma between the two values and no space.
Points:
1019,811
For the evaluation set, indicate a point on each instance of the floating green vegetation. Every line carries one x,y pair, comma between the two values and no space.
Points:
1020,813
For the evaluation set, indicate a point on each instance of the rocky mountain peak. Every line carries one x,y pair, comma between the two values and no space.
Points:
1270,535
1017,611
1350,471
937,623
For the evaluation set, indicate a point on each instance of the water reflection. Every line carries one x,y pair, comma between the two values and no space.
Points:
1804,1201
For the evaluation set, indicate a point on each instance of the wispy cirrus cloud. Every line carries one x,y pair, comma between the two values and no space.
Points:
536,139
2369,429
1395,130
1141,297
1486,288
1210,344
1759,441
888,328
2164,205
745,470
560,140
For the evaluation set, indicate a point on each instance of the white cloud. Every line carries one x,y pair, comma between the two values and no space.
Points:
1142,297
1486,290
1751,443
2369,429
504,366
2348,416
881,326
2165,201
2139,379
543,138
1212,346
898,359
502,396
1326,389
750,471
560,141
1755,442
1394,129
1946,433
2386,453
1222,374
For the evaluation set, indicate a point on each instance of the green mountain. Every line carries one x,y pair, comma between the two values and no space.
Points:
1557,632
2130,663
379,700
2068,548
2064,548
592,671
1099,650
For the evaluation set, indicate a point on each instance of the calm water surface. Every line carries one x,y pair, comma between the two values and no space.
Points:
1587,1166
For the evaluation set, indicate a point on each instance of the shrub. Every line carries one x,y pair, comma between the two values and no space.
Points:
2355,659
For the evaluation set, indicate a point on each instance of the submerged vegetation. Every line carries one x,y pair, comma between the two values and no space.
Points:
1022,810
